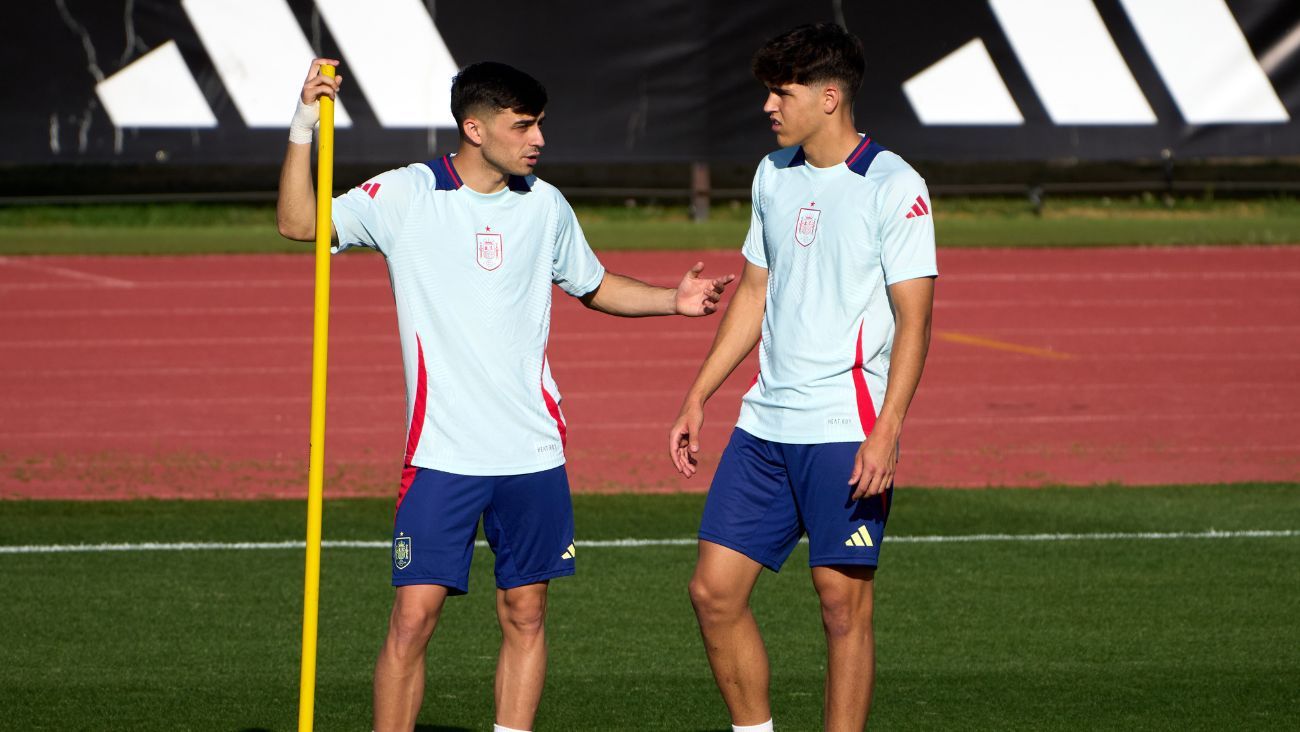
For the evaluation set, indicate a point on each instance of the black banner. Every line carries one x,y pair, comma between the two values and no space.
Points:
214,81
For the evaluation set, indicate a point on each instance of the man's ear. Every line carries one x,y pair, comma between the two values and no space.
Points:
472,129
831,98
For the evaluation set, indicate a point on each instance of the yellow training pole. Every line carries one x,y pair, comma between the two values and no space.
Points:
316,464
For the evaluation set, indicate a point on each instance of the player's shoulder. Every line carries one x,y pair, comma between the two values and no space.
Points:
533,184
539,192
783,159
890,169
393,186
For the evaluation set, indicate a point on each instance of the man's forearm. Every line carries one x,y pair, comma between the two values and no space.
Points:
295,209
630,298
907,361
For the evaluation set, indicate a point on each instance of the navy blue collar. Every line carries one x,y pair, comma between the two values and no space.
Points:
447,179
863,155
444,174
858,161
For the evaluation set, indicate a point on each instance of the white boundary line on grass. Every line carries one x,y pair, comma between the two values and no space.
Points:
187,546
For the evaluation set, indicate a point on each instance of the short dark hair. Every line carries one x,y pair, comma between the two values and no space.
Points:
818,52
495,86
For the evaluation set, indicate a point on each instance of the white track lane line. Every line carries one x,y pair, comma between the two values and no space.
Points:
619,395
186,546
29,265
381,283
1145,276
592,426
941,303
137,462
562,337
167,311
562,366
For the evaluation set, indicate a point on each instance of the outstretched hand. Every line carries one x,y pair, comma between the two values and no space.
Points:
696,296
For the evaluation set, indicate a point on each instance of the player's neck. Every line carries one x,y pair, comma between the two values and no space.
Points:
476,173
832,144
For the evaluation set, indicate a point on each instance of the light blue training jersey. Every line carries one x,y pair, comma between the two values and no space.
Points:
471,276
833,240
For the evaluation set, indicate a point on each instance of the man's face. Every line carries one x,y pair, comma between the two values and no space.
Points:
795,112
512,142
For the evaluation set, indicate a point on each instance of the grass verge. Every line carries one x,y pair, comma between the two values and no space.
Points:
1104,633
961,222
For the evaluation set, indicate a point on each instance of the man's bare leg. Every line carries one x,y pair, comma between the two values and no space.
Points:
399,672
521,664
720,591
846,600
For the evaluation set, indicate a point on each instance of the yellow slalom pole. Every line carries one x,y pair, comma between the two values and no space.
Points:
316,464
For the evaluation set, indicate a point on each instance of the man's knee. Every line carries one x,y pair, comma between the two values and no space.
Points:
523,614
415,613
846,605
714,600
842,618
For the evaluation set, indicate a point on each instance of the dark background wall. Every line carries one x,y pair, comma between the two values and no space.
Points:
638,90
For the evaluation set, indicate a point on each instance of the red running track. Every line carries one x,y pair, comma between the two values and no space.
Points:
190,376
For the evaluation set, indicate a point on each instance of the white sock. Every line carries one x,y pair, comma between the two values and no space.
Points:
502,728
764,727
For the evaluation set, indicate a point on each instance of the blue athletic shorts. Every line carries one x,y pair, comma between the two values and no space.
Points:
766,495
528,521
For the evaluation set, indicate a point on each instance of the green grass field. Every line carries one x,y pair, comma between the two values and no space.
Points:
961,222
995,634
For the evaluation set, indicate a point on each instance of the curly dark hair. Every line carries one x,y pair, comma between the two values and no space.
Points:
818,52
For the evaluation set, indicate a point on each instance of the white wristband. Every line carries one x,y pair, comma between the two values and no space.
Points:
304,121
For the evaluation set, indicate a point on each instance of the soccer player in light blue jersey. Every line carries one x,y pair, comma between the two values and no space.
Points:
473,243
837,293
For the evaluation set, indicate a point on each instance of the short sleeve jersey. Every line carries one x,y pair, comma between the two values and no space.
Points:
471,276
833,240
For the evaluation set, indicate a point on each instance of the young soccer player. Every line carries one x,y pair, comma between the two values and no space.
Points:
473,243
837,289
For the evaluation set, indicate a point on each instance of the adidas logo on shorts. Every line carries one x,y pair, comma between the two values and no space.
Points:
859,538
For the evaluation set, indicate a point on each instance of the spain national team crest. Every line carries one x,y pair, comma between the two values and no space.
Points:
805,229
402,552
488,247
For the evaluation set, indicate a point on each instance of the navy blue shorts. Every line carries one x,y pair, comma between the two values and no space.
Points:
766,495
528,521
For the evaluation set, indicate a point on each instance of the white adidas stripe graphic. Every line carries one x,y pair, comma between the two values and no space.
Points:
394,53
1081,78
1073,64
859,538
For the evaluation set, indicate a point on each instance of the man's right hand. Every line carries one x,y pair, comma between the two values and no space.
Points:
318,84
684,439
307,114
